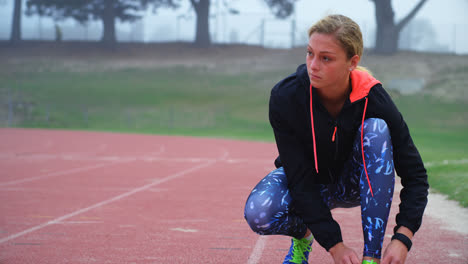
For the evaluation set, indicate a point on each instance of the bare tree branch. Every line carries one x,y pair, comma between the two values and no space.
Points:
410,16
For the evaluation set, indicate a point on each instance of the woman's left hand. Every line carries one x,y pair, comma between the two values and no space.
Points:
395,253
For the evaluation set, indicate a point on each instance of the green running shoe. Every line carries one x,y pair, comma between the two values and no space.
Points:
299,251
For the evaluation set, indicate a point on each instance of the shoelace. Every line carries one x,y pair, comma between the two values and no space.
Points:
300,247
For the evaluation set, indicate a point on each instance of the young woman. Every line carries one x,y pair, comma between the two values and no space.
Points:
339,137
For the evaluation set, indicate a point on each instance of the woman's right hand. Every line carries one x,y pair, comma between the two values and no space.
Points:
342,254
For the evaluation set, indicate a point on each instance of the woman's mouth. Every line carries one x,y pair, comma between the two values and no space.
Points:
314,77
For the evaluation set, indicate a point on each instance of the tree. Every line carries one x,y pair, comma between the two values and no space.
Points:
16,25
202,10
388,31
108,11
280,8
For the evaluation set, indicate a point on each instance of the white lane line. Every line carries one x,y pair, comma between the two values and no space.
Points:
445,162
59,173
185,230
116,198
79,222
153,157
79,156
70,156
257,251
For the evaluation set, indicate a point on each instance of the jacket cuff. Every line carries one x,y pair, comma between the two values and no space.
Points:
400,221
407,225
327,235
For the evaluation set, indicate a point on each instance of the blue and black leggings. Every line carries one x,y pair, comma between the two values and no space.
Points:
268,209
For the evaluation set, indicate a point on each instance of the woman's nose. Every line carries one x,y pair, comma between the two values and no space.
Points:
313,64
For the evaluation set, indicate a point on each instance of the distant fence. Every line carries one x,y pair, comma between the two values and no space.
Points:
253,29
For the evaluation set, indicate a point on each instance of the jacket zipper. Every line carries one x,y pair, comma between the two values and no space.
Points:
334,133
335,139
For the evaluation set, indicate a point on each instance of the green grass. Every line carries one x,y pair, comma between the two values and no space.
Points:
451,179
440,132
195,101
439,128
172,101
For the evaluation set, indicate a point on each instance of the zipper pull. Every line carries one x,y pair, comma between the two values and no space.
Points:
334,133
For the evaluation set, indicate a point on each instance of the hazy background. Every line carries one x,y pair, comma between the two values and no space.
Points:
440,26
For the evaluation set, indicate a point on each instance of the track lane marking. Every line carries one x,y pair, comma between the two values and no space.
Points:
113,199
75,170
59,173
257,251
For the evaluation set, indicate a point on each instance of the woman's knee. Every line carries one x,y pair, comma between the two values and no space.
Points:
376,139
377,127
260,213
378,153
268,201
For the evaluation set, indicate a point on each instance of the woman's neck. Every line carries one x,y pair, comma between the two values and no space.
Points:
333,98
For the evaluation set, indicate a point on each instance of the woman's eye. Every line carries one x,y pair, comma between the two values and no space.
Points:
326,59
309,53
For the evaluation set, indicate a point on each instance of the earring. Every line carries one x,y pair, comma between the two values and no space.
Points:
350,69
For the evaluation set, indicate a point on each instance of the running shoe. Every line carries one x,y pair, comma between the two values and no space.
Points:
299,251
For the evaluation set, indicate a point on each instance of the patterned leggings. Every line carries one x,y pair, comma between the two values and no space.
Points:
268,210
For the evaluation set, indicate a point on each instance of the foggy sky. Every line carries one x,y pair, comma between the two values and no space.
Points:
448,19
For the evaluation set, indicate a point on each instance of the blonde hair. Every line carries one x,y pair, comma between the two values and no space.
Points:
345,30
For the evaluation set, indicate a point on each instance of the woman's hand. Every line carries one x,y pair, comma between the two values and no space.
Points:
342,254
395,253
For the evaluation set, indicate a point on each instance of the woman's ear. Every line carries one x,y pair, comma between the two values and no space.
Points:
354,62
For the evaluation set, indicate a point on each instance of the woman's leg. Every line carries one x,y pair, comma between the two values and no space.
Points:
268,212
378,152
352,188
267,209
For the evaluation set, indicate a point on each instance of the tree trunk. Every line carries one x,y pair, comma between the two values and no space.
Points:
202,9
16,25
388,33
108,22
386,41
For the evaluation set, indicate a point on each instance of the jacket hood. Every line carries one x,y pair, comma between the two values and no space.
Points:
361,83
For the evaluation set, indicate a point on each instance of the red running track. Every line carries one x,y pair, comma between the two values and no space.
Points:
89,197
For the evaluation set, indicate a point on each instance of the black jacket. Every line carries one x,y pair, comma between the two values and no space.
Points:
291,121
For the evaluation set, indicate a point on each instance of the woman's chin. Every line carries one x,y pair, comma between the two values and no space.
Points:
315,84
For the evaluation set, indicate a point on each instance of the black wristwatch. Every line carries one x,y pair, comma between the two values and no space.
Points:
404,239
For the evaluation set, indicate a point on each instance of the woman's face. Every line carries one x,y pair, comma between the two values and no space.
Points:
327,63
